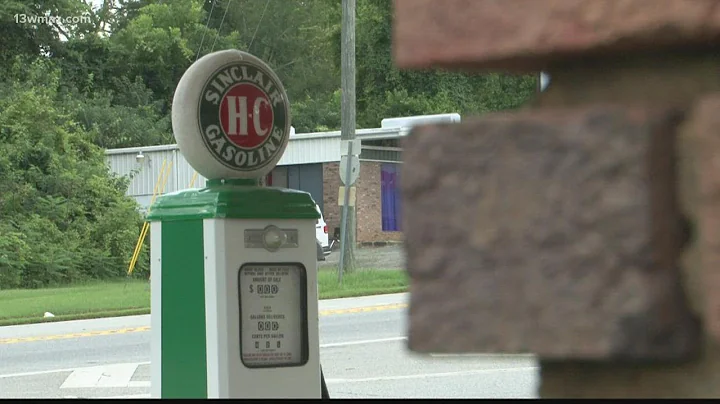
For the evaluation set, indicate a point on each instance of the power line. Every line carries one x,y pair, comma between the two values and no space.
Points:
221,23
207,26
258,26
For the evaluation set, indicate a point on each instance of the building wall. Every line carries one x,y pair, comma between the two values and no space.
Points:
331,184
369,206
369,202
321,179
308,178
146,174
279,177
302,149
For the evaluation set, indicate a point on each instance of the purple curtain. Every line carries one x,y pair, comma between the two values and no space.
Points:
390,195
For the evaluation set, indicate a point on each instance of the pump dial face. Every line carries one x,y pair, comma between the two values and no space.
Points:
273,315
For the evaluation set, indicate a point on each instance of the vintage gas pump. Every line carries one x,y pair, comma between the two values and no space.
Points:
234,266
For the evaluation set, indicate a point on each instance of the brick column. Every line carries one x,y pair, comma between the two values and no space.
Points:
586,227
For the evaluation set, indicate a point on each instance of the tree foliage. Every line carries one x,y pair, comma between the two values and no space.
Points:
65,217
69,91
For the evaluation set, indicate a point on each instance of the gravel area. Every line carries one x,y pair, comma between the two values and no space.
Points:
387,257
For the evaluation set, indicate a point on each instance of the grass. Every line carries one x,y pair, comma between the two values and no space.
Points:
132,297
91,300
364,282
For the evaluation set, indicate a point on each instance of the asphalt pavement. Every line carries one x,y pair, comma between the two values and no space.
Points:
363,354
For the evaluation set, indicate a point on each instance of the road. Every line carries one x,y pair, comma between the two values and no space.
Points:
362,352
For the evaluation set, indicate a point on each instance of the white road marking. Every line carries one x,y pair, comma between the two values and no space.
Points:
118,375
363,342
40,372
126,397
72,370
429,375
482,355
49,372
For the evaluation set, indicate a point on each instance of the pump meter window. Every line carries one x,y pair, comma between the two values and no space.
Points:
273,313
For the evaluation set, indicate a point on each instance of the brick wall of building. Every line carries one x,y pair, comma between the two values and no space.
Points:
369,207
369,203
331,183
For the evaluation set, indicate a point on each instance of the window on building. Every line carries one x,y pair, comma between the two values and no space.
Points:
390,195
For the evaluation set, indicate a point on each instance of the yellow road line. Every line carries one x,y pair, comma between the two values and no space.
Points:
364,309
73,335
147,328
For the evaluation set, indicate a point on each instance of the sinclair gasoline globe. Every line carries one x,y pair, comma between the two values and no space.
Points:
231,116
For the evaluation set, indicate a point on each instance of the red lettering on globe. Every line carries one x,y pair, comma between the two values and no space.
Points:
246,115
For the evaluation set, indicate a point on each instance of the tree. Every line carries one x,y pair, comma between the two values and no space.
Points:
65,217
123,84
385,91
69,91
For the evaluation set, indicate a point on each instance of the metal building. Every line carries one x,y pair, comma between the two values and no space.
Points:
310,163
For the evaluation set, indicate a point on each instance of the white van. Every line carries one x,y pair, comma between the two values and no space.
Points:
321,233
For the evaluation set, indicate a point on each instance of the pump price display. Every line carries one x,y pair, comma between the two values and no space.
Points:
271,315
266,289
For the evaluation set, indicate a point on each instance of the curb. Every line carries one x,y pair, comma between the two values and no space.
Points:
380,243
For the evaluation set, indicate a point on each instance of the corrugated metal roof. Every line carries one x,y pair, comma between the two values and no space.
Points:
304,148
362,134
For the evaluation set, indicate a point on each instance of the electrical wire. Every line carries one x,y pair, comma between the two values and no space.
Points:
259,22
323,386
207,26
221,23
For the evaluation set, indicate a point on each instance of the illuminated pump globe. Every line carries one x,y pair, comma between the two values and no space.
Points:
231,116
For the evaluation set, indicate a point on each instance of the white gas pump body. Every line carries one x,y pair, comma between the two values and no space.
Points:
233,312
253,247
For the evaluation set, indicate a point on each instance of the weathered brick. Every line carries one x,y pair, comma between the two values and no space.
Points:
703,129
555,232
331,184
526,35
369,203
369,206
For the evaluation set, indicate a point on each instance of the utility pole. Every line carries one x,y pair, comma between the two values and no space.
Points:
347,134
